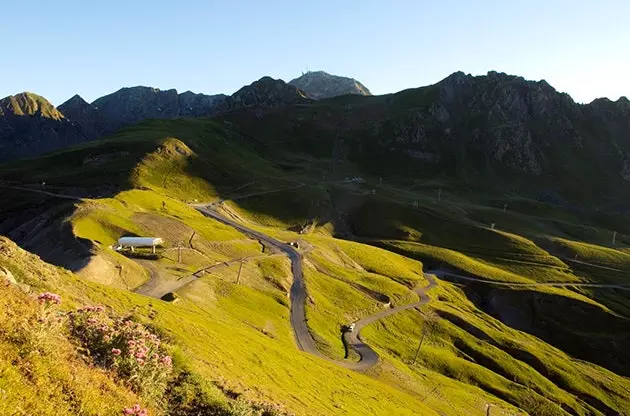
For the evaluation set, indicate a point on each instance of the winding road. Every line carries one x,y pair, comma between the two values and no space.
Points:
303,337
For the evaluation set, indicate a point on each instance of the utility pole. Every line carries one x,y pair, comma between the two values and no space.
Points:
488,407
504,207
424,333
614,236
380,180
240,267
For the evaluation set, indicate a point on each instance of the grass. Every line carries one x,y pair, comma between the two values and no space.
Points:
332,305
471,347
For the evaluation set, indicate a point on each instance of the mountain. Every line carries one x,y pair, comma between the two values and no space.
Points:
131,105
502,123
267,92
319,85
128,106
497,130
31,125
88,118
462,125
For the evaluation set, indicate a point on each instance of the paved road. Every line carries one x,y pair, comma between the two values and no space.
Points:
303,337
368,356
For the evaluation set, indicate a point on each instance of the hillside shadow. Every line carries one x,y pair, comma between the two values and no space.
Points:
44,230
583,330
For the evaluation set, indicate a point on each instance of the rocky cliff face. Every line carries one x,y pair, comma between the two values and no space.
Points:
319,85
30,125
499,121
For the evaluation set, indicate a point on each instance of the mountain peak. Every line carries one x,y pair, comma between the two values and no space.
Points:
268,91
319,85
74,103
28,104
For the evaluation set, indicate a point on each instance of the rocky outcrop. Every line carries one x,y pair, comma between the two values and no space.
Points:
319,85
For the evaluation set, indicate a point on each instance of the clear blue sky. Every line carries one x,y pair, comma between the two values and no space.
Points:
59,48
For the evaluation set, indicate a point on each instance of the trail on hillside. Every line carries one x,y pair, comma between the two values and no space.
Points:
443,273
158,286
41,191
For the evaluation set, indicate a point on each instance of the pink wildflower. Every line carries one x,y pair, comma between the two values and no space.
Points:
49,297
135,410
115,351
131,343
167,361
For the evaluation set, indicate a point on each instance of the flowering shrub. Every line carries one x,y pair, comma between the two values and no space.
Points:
127,347
135,410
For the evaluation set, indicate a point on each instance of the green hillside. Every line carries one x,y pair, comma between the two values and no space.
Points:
365,242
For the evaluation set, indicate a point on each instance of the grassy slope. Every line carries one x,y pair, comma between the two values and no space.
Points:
40,371
226,334
239,336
